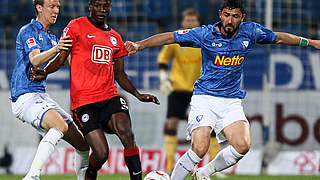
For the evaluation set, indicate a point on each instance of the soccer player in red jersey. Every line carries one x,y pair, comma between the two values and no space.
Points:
96,61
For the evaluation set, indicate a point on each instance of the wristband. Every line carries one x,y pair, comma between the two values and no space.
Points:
304,41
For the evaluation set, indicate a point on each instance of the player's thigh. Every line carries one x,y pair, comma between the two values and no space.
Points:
52,119
34,109
87,118
116,119
231,112
120,123
201,115
97,141
238,135
75,138
200,140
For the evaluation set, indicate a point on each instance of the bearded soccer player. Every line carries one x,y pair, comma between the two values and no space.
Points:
96,106
35,47
185,70
216,101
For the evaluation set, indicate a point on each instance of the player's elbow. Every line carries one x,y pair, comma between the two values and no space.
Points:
34,62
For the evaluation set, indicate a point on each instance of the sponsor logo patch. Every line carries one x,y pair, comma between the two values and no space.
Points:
31,42
235,60
216,44
183,31
90,36
101,54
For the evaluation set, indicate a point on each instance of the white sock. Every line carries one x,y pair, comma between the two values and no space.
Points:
224,159
185,165
81,163
45,149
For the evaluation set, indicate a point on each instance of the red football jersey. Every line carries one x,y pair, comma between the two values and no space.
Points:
93,49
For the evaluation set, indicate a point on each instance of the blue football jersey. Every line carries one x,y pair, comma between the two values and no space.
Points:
31,36
222,57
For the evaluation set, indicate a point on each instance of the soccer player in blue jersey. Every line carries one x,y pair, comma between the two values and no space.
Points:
35,47
216,101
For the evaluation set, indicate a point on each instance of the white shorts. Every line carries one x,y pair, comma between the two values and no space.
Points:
31,107
216,112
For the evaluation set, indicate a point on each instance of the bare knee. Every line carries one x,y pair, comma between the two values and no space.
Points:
200,149
172,123
101,154
127,137
200,140
63,127
242,146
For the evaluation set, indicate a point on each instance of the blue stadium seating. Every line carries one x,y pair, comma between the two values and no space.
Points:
156,9
139,31
122,8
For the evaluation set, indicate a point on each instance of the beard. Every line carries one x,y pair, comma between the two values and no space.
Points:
230,31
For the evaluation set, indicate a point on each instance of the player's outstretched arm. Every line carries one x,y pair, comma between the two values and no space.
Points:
122,78
293,40
37,58
153,41
38,73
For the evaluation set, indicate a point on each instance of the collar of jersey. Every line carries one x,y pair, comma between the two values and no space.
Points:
93,23
38,25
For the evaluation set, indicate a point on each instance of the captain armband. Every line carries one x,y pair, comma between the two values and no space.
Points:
304,41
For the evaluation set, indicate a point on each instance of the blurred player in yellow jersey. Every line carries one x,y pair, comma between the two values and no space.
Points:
185,70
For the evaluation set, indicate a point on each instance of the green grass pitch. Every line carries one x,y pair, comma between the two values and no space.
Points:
126,177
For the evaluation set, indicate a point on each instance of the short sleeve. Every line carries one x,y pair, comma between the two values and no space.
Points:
29,41
165,54
189,37
122,49
71,30
264,35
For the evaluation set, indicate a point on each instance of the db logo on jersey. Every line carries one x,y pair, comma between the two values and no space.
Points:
101,54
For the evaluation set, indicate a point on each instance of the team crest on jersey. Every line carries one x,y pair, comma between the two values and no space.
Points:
85,118
199,118
245,44
113,41
31,42
183,31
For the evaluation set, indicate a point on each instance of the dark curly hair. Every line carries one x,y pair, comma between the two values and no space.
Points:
233,4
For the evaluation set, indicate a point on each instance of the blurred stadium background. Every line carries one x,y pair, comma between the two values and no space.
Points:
283,83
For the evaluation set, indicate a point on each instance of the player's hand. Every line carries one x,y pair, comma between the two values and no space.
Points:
131,47
148,98
165,83
315,44
166,87
65,43
37,74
